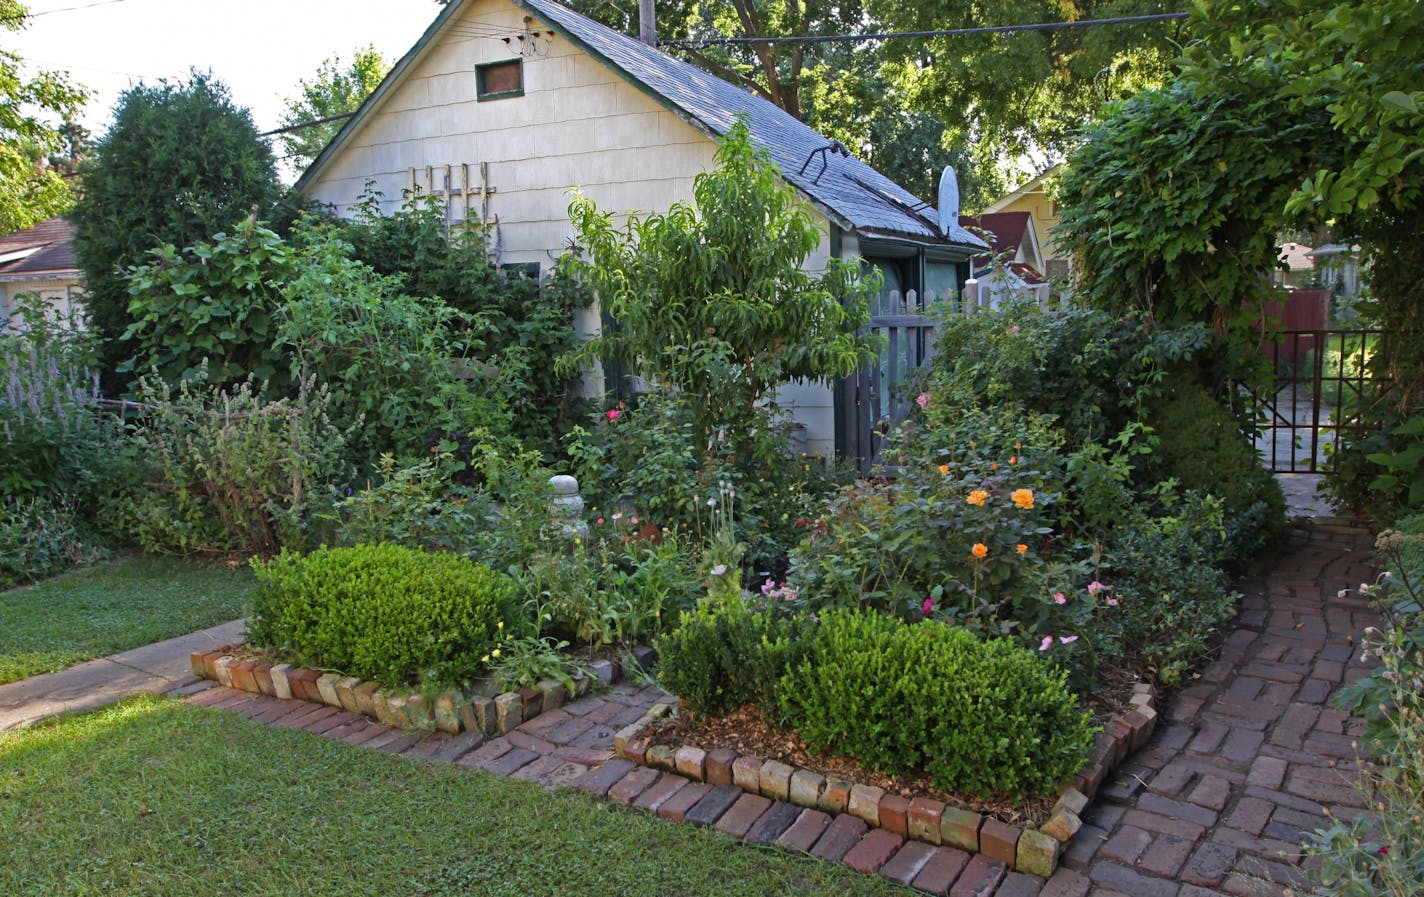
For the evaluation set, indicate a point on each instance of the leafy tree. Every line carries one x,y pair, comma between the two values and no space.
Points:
1303,113
179,164
1172,203
30,191
1366,59
1026,93
210,308
75,143
520,322
711,298
840,89
333,90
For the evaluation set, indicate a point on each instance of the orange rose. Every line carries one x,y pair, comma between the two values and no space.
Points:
1023,498
1022,548
944,469
977,497
980,550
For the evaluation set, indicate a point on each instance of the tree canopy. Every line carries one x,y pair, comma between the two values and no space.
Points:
334,89
840,89
33,109
1025,93
911,106
180,163
1303,113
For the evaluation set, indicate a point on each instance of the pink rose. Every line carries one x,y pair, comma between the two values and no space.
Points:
1059,598
1095,587
928,606
1046,643
923,400
612,414
1067,639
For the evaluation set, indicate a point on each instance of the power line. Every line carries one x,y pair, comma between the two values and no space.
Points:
45,12
892,35
307,124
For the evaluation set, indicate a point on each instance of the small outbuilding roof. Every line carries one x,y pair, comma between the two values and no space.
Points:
39,250
854,195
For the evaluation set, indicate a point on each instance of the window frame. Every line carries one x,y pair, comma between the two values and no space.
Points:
484,94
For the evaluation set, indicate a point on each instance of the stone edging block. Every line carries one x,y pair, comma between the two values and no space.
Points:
452,712
1034,851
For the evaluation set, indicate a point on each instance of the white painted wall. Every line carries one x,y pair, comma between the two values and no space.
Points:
63,294
578,125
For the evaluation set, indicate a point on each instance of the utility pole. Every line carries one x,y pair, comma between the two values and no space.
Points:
647,23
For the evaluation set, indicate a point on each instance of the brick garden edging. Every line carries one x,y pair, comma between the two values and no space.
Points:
1032,851
453,712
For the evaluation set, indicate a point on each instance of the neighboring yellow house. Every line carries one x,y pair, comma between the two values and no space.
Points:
504,106
1033,197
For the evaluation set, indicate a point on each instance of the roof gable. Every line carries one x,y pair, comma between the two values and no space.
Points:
850,192
1013,235
1032,185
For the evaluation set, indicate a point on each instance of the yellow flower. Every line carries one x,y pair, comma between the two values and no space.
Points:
484,659
1023,549
494,653
977,497
944,469
979,550
1023,498
501,624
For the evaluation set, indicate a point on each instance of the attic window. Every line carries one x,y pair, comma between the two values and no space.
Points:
498,80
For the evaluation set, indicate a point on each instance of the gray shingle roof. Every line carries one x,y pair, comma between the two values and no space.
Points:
863,198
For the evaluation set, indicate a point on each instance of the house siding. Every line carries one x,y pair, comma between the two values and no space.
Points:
578,125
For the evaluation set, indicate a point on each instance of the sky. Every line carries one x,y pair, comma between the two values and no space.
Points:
259,48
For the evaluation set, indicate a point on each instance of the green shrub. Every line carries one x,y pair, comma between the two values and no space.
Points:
890,544
39,537
725,655
979,717
643,454
1172,598
1381,853
53,439
227,469
1200,444
413,505
382,612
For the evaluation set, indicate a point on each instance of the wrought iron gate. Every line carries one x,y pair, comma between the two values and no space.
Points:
1318,373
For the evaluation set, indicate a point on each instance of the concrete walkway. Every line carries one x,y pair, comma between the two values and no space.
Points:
1248,757
154,669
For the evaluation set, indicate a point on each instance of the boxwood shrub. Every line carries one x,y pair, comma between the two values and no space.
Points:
726,654
980,718
383,612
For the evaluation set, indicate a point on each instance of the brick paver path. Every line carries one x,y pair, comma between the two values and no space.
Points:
1247,758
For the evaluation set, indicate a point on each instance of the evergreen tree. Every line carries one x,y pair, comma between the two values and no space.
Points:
180,164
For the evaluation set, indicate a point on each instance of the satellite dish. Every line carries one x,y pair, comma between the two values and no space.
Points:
948,201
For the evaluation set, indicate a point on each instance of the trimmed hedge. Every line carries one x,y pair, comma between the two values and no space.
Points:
979,717
722,656
382,612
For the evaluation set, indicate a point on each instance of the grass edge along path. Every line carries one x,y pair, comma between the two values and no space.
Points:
113,607
165,798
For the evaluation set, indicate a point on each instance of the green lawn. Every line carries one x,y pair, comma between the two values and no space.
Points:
157,797
113,607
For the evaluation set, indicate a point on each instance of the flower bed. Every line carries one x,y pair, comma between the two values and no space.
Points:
1026,848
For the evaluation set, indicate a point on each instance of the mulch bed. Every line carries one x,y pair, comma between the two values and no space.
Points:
748,732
